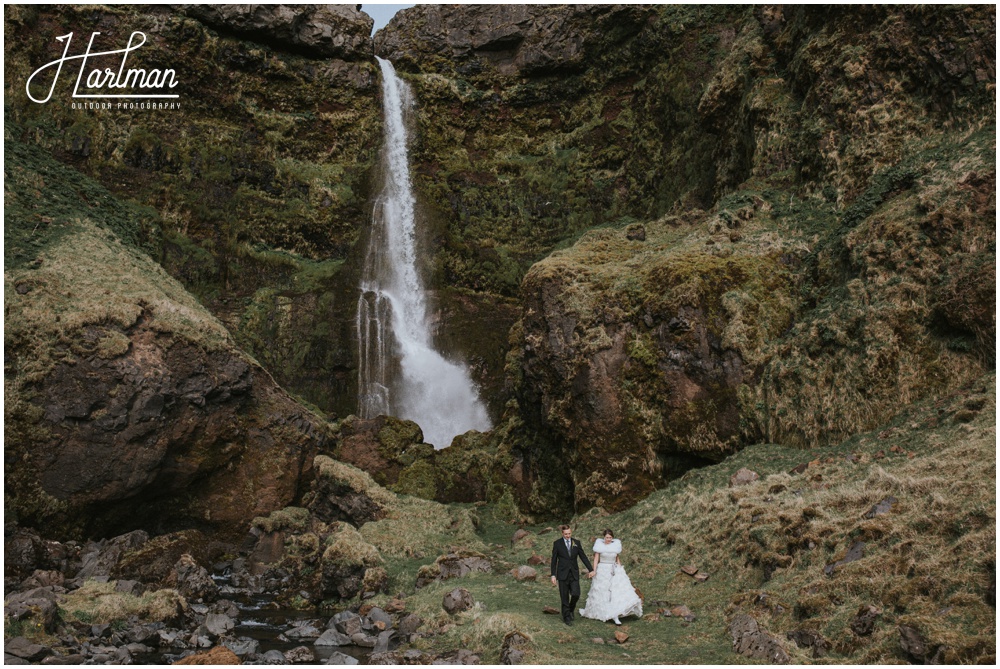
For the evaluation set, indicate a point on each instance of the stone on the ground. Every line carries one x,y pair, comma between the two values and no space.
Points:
333,637
193,581
409,625
883,507
307,631
382,642
689,569
274,657
300,654
341,658
621,637
524,573
854,553
805,638
750,640
684,612
219,624
743,477
347,622
243,646
513,648
377,615
863,623
60,660
363,640
456,565
551,610
536,560
26,650
520,534
457,600
597,640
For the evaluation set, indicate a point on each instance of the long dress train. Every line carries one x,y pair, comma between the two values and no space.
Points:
611,592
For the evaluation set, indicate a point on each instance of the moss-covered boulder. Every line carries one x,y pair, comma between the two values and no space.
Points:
634,355
127,403
346,562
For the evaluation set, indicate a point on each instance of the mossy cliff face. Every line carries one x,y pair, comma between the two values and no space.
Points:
261,177
127,404
536,123
832,151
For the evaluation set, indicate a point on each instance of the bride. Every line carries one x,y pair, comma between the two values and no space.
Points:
611,593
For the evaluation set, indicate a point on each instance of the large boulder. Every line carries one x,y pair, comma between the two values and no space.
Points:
636,370
133,406
327,31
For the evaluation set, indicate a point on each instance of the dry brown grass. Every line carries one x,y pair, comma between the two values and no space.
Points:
927,563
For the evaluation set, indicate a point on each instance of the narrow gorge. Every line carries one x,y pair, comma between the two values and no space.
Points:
308,355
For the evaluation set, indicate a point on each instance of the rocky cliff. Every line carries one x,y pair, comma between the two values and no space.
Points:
658,233
127,405
771,182
261,177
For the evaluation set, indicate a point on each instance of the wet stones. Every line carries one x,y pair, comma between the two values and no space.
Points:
193,580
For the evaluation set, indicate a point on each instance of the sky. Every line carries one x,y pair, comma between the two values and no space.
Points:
381,13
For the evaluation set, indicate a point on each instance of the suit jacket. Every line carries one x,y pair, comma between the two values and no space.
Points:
564,566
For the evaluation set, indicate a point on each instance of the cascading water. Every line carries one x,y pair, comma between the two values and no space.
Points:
399,372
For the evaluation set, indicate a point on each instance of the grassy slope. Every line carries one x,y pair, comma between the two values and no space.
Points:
927,563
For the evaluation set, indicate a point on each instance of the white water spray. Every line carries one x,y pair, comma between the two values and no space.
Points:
399,372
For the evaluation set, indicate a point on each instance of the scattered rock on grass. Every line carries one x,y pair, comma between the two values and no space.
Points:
513,648
457,600
864,621
551,610
743,477
684,612
598,640
621,637
536,560
524,573
854,553
881,508
810,639
750,640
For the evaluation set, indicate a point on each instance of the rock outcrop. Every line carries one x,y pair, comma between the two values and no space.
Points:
320,31
510,39
133,407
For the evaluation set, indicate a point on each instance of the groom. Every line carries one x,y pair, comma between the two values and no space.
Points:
565,551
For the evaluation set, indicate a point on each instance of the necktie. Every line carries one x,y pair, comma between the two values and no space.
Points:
567,545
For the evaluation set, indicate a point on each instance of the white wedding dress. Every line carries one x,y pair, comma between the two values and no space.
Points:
611,593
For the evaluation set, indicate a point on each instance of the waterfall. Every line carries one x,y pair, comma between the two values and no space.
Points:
399,372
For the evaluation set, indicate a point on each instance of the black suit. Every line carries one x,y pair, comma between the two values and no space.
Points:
566,571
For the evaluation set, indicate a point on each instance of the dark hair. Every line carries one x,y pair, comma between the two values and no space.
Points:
607,532
563,527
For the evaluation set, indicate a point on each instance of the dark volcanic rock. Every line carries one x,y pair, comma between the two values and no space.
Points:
863,623
512,39
751,641
457,600
810,639
328,31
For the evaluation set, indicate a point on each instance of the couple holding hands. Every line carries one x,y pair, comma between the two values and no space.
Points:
611,595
